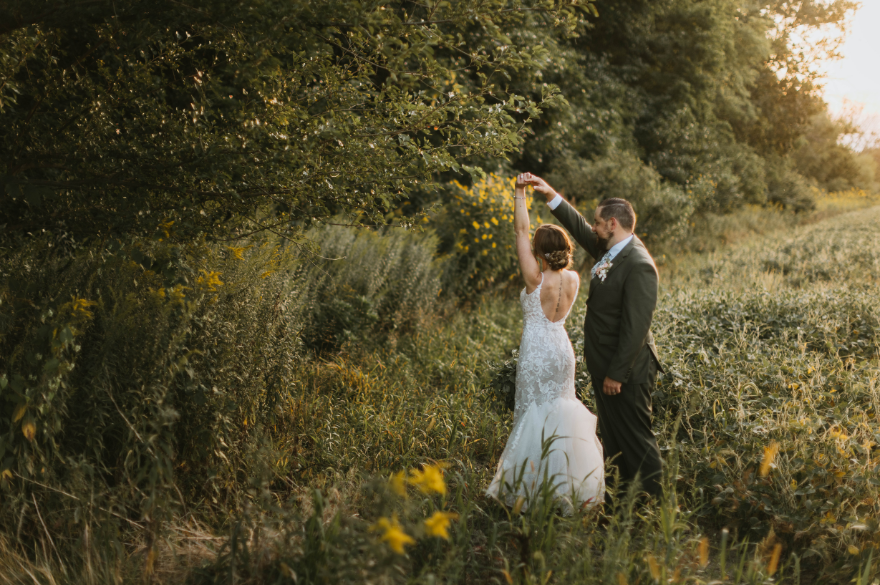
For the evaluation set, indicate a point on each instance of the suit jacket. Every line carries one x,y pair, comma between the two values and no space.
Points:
617,330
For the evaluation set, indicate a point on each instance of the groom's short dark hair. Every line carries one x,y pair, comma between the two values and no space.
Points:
619,209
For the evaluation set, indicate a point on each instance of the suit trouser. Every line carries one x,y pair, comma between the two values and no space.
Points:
627,438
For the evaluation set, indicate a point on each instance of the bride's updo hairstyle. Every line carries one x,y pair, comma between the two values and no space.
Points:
553,245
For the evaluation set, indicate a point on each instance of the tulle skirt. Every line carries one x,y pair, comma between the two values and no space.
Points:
553,445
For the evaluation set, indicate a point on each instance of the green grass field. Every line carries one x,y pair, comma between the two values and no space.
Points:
767,418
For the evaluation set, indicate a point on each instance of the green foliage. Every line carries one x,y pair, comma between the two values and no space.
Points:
663,208
369,285
501,390
231,117
192,392
831,165
711,97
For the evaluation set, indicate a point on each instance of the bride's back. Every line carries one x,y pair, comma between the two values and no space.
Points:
554,304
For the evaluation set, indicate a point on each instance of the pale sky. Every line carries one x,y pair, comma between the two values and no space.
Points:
854,80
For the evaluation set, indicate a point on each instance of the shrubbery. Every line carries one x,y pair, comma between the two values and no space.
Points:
157,379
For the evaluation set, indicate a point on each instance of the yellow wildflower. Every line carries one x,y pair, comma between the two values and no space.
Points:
166,227
485,236
476,225
774,559
237,252
397,483
177,294
486,224
6,474
80,307
438,524
393,534
211,280
429,479
493,244
704,551
769,455
29,429
495,221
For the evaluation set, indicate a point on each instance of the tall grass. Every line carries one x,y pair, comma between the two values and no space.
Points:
232,415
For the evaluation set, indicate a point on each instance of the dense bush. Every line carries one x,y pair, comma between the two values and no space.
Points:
662,208
367,285
142,379
475,227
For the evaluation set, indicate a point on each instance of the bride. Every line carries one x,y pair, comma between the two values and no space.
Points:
547,412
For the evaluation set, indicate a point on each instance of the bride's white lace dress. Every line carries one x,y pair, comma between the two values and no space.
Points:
546,404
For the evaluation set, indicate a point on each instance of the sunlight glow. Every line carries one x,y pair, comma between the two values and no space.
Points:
852,84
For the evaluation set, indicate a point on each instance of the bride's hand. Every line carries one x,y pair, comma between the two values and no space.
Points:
522,181
536,182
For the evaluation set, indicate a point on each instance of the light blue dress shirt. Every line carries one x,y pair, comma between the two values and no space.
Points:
615,249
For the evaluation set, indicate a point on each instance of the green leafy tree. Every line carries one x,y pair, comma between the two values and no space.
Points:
713,95
223,118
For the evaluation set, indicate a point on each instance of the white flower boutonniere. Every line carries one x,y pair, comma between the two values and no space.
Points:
602,270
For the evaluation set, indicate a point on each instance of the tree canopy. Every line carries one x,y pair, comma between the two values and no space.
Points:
220,118
217,119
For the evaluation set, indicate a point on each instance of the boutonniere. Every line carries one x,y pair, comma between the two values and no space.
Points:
602,270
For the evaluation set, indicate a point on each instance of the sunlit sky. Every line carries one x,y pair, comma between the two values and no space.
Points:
854,80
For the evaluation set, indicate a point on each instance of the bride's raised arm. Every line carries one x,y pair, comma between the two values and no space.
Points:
528,265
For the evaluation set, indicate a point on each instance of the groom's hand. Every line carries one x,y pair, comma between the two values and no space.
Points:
539,185
611,387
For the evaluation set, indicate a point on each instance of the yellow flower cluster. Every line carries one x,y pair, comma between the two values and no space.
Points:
210,280
237,253
438,524
488,205
392,533
477,223
428,480
769,455
80,307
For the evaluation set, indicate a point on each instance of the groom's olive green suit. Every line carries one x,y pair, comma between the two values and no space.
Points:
618,344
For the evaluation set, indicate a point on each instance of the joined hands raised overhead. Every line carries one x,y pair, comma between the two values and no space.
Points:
537,183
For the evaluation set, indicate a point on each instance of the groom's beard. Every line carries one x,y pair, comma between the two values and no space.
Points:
603,243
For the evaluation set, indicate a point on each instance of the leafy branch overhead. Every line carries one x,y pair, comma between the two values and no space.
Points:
120,117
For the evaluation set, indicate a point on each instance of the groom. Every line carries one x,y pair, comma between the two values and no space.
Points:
618,346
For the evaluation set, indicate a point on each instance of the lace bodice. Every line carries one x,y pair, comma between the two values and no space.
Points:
545,369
